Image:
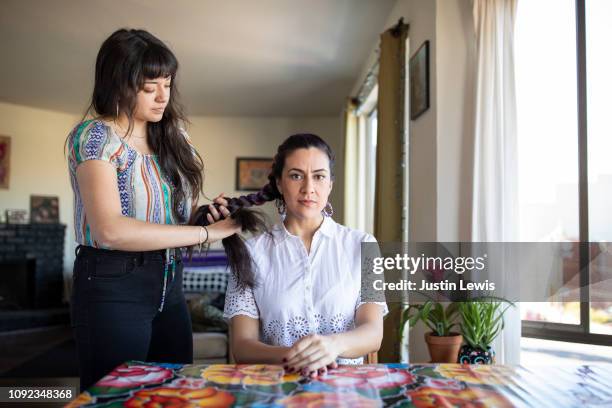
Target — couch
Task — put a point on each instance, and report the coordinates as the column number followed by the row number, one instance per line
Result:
column 204, row 283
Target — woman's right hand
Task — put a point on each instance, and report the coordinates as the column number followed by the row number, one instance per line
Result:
column 220, row 224
column 214, row 214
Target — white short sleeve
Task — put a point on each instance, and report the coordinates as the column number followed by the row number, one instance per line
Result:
column 239, row 301
column 383, row 305
column 385, row 308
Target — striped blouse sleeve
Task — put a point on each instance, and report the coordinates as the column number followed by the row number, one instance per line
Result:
column 93, row 140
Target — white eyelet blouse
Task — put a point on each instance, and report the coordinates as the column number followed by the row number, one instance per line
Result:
column 299, row 293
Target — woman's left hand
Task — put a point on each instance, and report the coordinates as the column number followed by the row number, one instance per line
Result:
column 313, row 353
column 214, row 215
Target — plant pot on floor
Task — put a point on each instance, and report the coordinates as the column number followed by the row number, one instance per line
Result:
column 443, row 349
column 476, row 355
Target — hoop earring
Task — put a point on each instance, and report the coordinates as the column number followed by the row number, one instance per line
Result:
column 281, row 207
column 328, row 211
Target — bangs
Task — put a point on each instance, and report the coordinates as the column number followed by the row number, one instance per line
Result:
column 158, row 62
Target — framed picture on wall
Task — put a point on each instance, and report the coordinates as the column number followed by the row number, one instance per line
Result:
column 5, row 156
column 419, row 81
column 16, row 216
column 252, row 173
column 44, row 209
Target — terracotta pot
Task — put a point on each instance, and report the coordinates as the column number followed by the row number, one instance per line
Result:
column 443, row 349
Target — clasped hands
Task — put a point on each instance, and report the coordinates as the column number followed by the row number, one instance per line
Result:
column 312, row 355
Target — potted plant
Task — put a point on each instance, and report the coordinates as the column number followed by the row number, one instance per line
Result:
column 481, row 322
column 442, row 342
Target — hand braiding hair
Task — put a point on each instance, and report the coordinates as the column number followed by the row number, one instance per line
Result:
column 252, row 221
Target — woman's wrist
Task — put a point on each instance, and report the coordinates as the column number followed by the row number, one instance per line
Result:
column 215, row 232
column 194, row 234
column 199, row 235
column 338, row 344
column 202, row 237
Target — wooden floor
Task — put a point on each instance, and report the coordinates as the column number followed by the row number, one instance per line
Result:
column 17, row 347
column 20, row 347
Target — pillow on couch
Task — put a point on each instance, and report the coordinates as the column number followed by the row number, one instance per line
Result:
column 206, row 311
column 212, row 279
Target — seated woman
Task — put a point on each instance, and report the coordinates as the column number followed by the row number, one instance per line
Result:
column 302, row 307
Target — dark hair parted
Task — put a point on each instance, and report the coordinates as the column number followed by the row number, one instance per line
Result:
column 238, row 255
column 126, row 59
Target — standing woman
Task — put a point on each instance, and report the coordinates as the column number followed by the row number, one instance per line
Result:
column 135, row 178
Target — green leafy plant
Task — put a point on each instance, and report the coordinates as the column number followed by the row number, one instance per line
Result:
column 482, row 319
column 438, row 318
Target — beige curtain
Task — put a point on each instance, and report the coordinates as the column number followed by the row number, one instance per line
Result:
column 389, row 171
column 391, row 101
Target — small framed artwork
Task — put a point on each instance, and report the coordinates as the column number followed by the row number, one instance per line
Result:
column 252, row 173
column 44, row 209
column 5, row 156
column 16, row 216
column 419, row 81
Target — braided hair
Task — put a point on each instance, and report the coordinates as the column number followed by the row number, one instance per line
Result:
column 253, row 221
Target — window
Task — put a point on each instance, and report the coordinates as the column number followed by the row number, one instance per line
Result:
column 598, row 90
column 565, row 174
column 367, row 131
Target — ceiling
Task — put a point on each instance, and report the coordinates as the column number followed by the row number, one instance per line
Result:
column 238, row 57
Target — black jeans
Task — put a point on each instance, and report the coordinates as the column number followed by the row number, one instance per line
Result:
column 115, row 311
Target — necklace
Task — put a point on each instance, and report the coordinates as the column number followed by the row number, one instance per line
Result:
column 124, row 134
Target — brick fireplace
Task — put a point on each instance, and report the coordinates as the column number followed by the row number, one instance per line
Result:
column 31, row 266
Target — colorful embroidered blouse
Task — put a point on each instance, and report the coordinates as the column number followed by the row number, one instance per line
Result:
column 144, row 192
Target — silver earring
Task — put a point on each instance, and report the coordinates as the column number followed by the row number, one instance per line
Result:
column 117, row 110
column 280, row 206
column 328, row 211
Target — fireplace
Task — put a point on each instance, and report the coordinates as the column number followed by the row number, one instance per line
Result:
column 31, row 266
column 17, row 290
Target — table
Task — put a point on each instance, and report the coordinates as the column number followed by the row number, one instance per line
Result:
column 138, row 384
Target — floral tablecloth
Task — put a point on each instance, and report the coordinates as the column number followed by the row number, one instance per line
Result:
column 138, row 384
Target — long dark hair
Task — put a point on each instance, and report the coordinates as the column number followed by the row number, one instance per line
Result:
column 125, row 60
column 239, row 258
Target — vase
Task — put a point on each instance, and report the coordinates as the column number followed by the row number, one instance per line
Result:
column 476, row 355
column 443, row 349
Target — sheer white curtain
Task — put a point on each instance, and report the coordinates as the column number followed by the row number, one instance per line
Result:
column 359, row 162
column 351, row 155
column 494, row 213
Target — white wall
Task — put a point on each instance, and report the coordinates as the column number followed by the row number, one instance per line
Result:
column 455, row 72
column 38, row 165
column 441, row 139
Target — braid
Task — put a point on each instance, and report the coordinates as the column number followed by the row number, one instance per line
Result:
column 268, row 193
column 250, row 220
